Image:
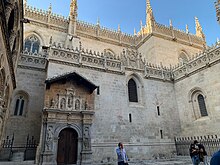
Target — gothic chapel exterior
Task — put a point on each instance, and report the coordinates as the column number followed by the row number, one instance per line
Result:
column 82, row 88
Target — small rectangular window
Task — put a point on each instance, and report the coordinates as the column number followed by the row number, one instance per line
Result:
column 158, row 110
column 130, row 119
column 161, row 134
column 98, row 91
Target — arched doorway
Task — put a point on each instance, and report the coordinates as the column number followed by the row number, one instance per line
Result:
column 67, row 147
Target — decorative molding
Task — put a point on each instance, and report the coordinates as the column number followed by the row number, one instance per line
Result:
column 200, row 62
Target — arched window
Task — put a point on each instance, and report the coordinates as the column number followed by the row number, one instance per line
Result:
column 20, row 104
column 202, row 106
column 132, row 91
column 198, row 103
column 32, row 44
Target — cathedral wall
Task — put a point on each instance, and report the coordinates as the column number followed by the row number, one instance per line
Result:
column 30, row 86
column 161, row 51
column 96, row 45
column 144, row 132
column 207, row 83
column 44, row 34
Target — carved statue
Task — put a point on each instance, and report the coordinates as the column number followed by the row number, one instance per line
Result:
column 52, row 103
column 86, row 138
column 77, row 105
column 49, row 138
column 62, row 103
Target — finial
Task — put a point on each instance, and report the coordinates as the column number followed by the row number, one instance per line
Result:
column 199, row 31
column 50, row 8
column 119, row 28
column 217, row 40
column 171, row 24
column 98, row 22
column 73, row 8
column 187, row 29
column 149, row 17
column 148, row 3
column 141, row 24
column 135, row 33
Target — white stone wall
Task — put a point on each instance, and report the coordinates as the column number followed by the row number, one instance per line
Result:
column 208, row 81
column 112, row 108
column 44, row 34
column 31, row 82
column 162, row 51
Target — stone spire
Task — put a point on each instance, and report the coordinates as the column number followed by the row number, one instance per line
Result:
column 72, row 18
column 187, row 29
column 98, row 21
column 199, row 31
column 50, row 8
column 135, row 33
column 119, row 28
column 171, row 23
column 73, row 9
column 149, row 17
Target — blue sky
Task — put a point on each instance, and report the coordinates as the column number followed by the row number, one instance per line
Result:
column 128, row 13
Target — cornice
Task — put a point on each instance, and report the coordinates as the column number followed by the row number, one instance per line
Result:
column 168, row 38
column 32, row 68
column 85, row 66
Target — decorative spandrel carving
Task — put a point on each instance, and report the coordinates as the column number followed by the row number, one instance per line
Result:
column 131, row 58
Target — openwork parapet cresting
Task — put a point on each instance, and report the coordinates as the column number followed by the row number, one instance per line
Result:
column 211, row 143
column 207, row 58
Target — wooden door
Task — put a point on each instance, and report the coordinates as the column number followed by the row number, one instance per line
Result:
column 67, row 147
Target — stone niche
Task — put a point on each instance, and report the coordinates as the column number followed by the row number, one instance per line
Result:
column 67, row 119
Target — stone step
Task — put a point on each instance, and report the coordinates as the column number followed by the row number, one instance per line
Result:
column 18, row 163
column 17, row 156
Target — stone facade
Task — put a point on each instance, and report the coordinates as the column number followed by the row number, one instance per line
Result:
column 11, row 36
column 101, row 86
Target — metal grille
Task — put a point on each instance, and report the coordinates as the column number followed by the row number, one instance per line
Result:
column 132, row 91
column 202, row 105
column 210, row 142
column 30, row 148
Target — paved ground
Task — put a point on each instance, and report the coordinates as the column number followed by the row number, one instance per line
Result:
column 180, row 160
